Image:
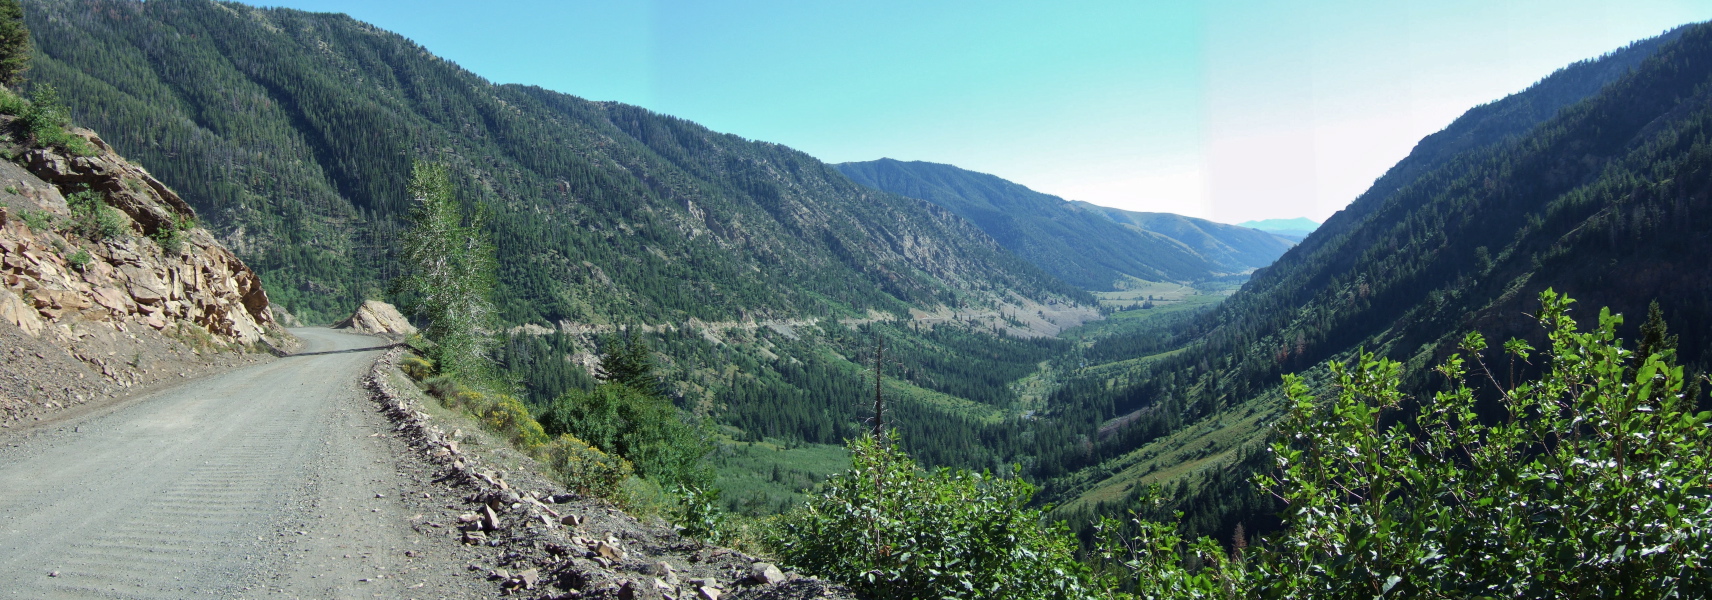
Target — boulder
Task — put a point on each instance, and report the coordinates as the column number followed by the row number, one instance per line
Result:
column 377, row 317
column 765, row 574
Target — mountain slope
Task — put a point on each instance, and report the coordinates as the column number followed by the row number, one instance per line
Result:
column 293, row 134
column 1607, row 198
column 1077, row 242
column 1228, row 246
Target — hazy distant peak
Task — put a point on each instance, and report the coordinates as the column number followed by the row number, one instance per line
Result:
column 1298, row 224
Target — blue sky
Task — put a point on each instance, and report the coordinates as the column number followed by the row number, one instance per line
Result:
column 1224, row 109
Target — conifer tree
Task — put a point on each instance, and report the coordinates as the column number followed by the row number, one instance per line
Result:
column 452, row 273
column 14, row 43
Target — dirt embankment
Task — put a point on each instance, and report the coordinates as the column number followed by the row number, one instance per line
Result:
column 541, row 541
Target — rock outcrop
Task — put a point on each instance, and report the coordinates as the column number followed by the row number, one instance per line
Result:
column 150, row 287
column 379, row 318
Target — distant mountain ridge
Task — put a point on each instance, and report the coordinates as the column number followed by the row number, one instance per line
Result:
column 1295, row 229
column 1086, row 245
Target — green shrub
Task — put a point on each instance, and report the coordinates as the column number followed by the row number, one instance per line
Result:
column 45, row 121
column 416, row 367
column 1591, row 481
column 701, row 515
column 79, row 260
column 643, row 428
column 11, row 103
column 506, row 416
column 37, row 220
column 585, row 468
column 92, row 218
column 888, row 529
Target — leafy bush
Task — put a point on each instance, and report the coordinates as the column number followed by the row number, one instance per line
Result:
column 506, row 415
column 44, row 122
column 585, row 468
column 643, row 428
column 92, row 218
column 1592, row 481
column 891, row 530
column 171, row 238
column 11, row 103
column 37, row 220
column 1147, row 559
column 79, row 260
column 701, row 515
column 416, row 367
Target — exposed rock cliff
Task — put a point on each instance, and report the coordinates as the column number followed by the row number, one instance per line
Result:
column 115, row 289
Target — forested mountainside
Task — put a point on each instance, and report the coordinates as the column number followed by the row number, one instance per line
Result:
column 1083, row 244
column 1595, row 182
column 293, row 134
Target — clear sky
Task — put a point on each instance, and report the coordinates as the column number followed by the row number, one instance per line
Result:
column 1225, row 109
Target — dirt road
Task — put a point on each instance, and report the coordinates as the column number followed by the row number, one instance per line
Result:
column 272, row 481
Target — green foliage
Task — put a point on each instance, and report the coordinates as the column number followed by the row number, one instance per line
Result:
column 643, row 428
column 416, row 367
column 701, row 515
column 79, row 260
column 171, row 238
column 11, row 103
column 93, row 219
column 450, row 276
column 627, row 360
column 1591, row 481
column 891, row 530
column 585, row 468
column 14, row 43
column 1147, row 559
column 37, row 220
column 45, row 120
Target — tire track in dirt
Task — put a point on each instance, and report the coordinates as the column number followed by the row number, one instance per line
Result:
column 260, row 482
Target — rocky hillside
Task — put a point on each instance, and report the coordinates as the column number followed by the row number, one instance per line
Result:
column 1090, row 246
column 109, row 285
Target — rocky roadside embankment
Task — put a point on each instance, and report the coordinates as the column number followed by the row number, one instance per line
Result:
column 87, row 316
column 541, row 541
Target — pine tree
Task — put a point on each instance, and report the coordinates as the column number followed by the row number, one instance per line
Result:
column 14, row 43
column 452, row 273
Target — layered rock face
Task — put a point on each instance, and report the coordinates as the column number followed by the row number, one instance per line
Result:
column 147, row 283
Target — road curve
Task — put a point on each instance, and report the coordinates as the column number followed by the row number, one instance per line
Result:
column 276, row 480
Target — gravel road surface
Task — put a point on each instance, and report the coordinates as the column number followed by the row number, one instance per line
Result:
column 273, row 481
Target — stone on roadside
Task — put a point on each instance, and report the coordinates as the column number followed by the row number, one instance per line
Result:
column 609, row 551
column 765, row 574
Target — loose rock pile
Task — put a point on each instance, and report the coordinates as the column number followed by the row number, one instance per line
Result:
column 549, row 543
